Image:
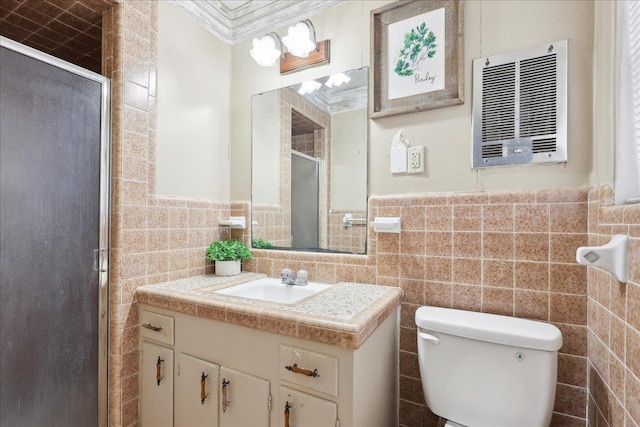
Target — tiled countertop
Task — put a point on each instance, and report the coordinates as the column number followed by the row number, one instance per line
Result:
column 344, row 314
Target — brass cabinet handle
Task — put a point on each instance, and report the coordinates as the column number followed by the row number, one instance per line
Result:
column 152, row 327
column 287, row 406
column 225, row 401
column 159, row 375
column 306, row 372
column 203, row 392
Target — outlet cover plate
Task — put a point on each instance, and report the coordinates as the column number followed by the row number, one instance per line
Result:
column 415, row 163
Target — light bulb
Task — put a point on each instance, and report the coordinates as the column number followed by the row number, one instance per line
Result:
column 265, row 52
column 298, row 40
column 337, row 79
column 308, row 87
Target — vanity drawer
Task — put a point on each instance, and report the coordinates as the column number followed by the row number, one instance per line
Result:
column 157, row 327
column 309, row 369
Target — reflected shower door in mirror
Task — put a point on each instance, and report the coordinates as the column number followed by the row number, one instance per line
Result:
column 309, row 165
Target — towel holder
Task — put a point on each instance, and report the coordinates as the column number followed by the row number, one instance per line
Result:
column 235, row 222
column 612, row 256
column 386, row 224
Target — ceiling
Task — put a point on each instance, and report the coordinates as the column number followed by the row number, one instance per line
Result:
column 233, row 21
column 301, row 125
column 72, row 29
column 67, row 29
column 348, row 96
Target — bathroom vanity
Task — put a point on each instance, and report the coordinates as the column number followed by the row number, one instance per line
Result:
column 329, row 359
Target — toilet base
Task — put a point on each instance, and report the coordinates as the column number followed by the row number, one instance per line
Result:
column 450, row 423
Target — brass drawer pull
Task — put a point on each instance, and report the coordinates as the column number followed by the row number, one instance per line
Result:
column 159, row 375
column 287, row 406
column 306, row 372
column 203, row 392
column 225, row 401
column 153, row 328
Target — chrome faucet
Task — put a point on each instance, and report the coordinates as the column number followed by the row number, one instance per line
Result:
column 289, row 278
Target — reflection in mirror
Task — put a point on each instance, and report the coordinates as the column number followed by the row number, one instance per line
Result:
column 309, row 167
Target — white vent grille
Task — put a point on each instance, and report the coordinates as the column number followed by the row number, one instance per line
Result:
column 538, row 100
column 499, row 102
column 519, row 107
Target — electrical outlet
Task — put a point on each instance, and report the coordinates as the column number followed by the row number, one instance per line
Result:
column 416, row 159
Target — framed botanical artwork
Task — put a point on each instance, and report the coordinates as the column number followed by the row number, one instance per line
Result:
column 417, row 57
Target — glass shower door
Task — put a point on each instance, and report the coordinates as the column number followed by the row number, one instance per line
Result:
column 53, row 241
column 305, row 218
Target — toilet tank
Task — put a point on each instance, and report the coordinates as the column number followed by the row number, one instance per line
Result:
column 482, row 369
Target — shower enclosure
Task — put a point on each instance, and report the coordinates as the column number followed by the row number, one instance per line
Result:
column 54, row 196
column 305, row 212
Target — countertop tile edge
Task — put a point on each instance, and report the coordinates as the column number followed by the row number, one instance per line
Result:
column 350, row 333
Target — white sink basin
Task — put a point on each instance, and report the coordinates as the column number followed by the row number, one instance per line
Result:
column 270, row 289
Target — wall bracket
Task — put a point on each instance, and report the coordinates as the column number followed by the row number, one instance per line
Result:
column 611, row 257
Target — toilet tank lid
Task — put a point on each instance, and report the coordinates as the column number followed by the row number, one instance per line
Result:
column 490, row 327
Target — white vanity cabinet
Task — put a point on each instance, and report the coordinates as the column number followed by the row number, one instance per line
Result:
column 156, row 368
column 312, row 371
column 156, row 385
column 196, row 392
column 302, row 409
column 261, row 378
column 193, row 391
column 245, row 399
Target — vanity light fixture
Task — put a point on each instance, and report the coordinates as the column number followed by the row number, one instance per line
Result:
column 267, row 50
column 336, row 80
column 302, row 50
column 301, row 39
column 308, row 87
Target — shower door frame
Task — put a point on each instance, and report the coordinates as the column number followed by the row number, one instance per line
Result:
column 102, row 254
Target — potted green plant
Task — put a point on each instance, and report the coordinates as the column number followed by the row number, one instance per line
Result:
column 261, row 243
column 227, row 255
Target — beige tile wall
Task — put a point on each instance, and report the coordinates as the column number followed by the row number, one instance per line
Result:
column 347, row 239
column 613, row 337
column 303, row 143
column 272, row 224
column 506, row 253
column 153, row 239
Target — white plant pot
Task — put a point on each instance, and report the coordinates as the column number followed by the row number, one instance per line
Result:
column 227, row 268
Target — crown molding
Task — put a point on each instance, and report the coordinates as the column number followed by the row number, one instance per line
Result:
column 251, row 19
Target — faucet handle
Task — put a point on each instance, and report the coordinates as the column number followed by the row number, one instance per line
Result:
column 286, row 272
column 302, row 275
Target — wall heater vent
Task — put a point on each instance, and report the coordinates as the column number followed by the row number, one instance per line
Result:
column 520, row 107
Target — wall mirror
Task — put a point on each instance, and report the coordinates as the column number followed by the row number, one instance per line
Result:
column 309, row 165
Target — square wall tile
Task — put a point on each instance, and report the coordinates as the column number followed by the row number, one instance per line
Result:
column 568, row 309
column 466, row 297
column 467, row 270
column 498, row 217
column 532, row 246
column 568, row 278
column 532, row 275
column 531, row 305
column 497, row 245
column 497, row 301
column 531, row 218
column 467, row 218
column 497, row 273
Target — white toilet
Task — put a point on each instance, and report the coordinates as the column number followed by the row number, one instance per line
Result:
column 485, row 370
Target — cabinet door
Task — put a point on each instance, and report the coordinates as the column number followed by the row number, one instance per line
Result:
column 244, row 399
column 305, row 410
column 196, row 392
column 157, row 385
